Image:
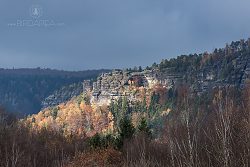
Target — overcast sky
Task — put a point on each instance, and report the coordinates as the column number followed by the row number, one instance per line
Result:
column 93, row 34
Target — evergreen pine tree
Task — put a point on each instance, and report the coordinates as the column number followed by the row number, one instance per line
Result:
column 125, row 106
column 126, row 128
column 143, row 127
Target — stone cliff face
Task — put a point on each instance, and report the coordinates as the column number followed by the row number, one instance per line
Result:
column 229, row 66
column 225, row 72
column 231, row 69
column 225, row 67
column 118, row 83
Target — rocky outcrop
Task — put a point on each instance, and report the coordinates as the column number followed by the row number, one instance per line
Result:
column 225, row 67
column 229, row 66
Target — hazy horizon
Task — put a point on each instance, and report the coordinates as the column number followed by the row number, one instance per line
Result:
column 122, row 68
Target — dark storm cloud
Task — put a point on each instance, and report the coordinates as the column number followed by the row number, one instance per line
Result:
column 116, row 33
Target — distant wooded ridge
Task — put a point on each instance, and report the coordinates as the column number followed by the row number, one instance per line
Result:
column 23, row 90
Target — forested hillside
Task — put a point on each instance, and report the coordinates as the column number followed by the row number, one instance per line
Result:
column 23, row 90
column 229, row 66
column 193, row 110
